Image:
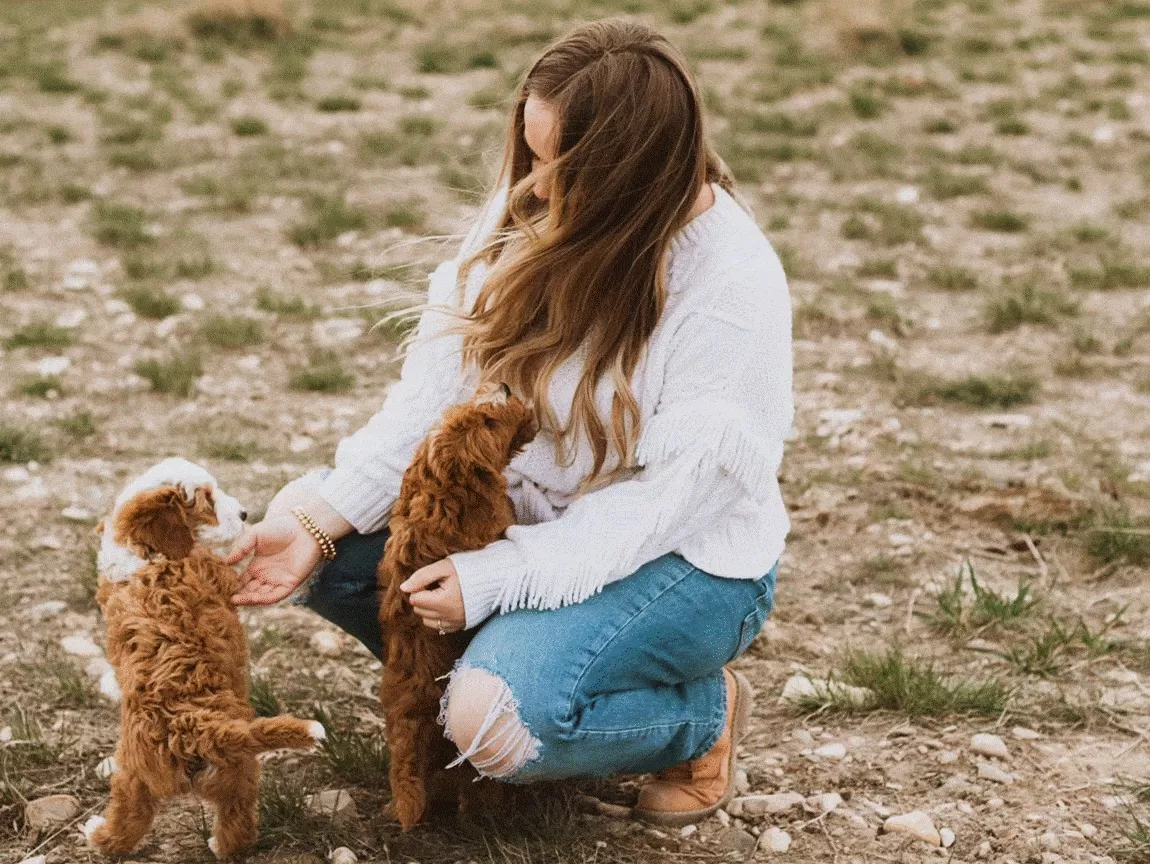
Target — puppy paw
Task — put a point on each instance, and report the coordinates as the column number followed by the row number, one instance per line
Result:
column 316, row 731
column 92, row 826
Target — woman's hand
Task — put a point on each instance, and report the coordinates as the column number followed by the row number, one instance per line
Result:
column 436, row 597
column 284, row 556
column 285, row 553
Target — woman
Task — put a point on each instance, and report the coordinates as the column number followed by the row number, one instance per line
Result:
column 616, row 282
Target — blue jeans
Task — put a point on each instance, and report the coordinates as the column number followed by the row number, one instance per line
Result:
column 628, row 681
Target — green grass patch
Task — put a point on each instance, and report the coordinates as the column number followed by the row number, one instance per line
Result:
column 324, row 373
column 1118, row 536
column 1027, row 304
column 174, row 375
column 40, row 334
column 1002, row 390
column 79, row 425
column 249, row 126
column 337, row 103
column 909, row 685
column 231, row 331
column 282, row 304
column 150, row 302
column 120, row 225
column 949, row 278
column 945, row 185
column 21, row 444
column 1110, row 274
column 1002, row 221
column 41, row 386
column 960, row 610
column 353, row 756
column 328, row 217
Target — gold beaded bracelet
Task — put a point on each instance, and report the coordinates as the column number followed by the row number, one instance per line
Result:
column 326, row 544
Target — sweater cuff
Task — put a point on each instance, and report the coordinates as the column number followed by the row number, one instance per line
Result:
column 482, row 575
column 356, row 497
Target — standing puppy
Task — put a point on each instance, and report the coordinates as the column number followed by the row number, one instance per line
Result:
column 181, row 659
column 453, row 499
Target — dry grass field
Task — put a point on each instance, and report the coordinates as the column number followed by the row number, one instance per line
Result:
column 201, row 207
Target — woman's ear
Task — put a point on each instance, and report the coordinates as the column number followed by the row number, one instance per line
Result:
column 158, row 522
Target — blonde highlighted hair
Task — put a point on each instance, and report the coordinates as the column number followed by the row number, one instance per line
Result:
column 583, row 271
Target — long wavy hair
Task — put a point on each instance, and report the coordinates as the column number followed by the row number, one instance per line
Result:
column 583, row 271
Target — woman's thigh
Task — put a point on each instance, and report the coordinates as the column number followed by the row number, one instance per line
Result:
column 345, row 590
column 667, row 624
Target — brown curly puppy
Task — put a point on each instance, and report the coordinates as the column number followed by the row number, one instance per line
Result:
column 453, row 499
column 180, row 656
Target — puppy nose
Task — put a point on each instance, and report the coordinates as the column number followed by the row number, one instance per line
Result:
column 506, row 390
column 243, row 515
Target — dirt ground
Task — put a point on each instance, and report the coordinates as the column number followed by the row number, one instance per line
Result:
column 201, row 214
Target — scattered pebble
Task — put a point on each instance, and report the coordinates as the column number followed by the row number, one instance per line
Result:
column 775, row 839
column 35, row 859
column 986, row 744
column 81, row 646
column 334, row 804
column 1024, row 734
column 778, row 802
column 77, row 514
column 50, row 811
column 326, row 643
column 829, row 801
column 1088, row 830
column 990, row 771
column 50, row 366
column 106, row 767
column 688, row 830
column 738, row 841
column 800, row 688
column 834, row 750
column 5, row 735
column 724, row 817
column 1050, row 840
column 916, row 824
column 342, row 855
column 948, row 757
column 879, row 601
column 47, row 609
column 947, row 837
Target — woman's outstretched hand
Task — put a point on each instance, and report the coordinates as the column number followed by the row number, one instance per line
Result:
column 284, row 556
column 436, row 597
column 284, row 553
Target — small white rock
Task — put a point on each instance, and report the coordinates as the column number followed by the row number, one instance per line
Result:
column 829, row 801
column 5, row 735
column 775, row 839
column 69, row 319
column 50, row 811
column 742, row 782
column 879, row 601
column 46, row 609
column 882, row 340
column 301, row 443
column 688, row 830
column 986, row 744
column 990, row 771
column 342, row 855
column 1024, row 734
column 834, row 750
column 52, row 365
column 800, row 688
column 778, row 802
column 906, row 195
column 995, row 803
column 1050, row 840
column 947, row 837
column 948, row 757
column 334, row 804
column 192, row 302
column 35, row 859
column 915, row 824
column 81, row 646
column 724, row 818
column 76, row 514
column 106, row 767
column 326, row 643
column 1088, row 830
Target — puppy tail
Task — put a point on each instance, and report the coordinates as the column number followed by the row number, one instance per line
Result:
column 221, row 737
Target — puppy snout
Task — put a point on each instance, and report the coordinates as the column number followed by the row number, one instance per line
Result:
column 243, row 515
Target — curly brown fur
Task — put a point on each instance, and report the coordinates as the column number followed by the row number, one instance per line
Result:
column 180, row 656
column 453, row 499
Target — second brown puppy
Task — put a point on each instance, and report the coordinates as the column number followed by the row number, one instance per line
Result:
column 453, row 498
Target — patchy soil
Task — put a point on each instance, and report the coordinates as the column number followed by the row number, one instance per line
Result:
column 202, row 214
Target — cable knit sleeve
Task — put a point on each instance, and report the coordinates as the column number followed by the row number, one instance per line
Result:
column 716, row 435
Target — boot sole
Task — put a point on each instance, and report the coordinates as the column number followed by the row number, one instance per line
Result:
column 677, row 819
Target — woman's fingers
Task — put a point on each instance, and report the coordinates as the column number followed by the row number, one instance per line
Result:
column 243, row 547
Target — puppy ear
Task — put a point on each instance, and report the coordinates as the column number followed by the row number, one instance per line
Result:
column 158, row 521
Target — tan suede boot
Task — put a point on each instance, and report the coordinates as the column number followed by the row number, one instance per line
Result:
column 690, row 791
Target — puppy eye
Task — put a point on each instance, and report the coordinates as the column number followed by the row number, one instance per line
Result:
column 490, row 422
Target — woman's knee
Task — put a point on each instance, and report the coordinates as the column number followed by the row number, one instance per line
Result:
column 482, row 718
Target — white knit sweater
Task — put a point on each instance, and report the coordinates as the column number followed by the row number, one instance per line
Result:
column 714, row 389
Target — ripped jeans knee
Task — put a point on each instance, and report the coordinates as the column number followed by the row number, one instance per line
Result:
column 481, row 717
